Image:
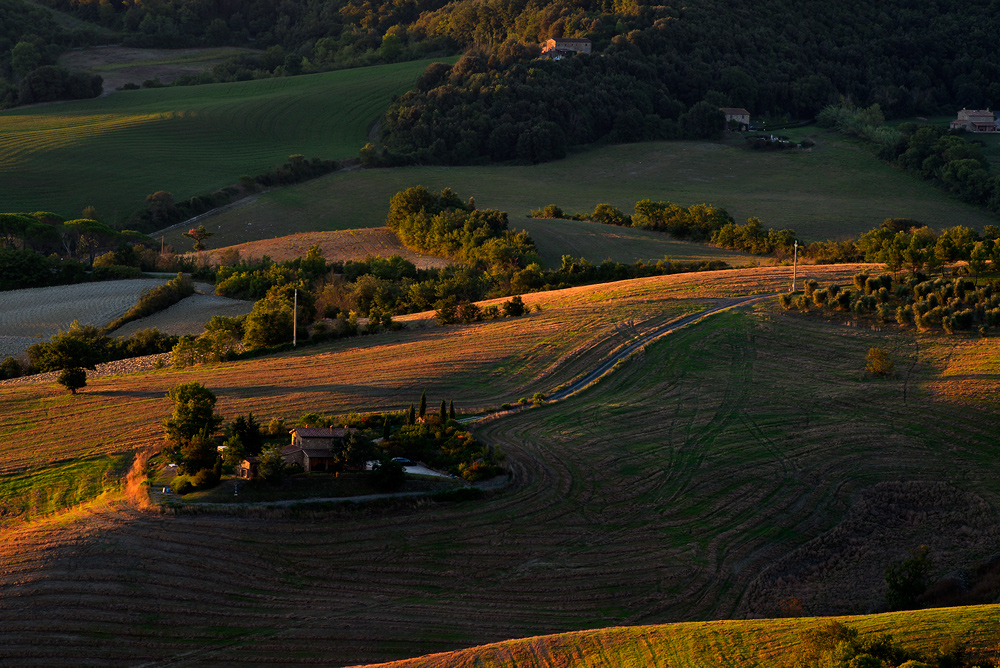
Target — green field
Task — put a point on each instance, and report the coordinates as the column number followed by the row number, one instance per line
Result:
column 555, row 238
column 833, row 191
column 113, row 151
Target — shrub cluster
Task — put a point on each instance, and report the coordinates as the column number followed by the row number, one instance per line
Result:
column 155, row 300
column 444, row 225
column 86, row 346
column 450, row 313
column 931, row 152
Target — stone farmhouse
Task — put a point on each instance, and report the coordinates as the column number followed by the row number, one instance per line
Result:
column 564, row 46
column 314, row 448
column 738, row 114
column 975, row 120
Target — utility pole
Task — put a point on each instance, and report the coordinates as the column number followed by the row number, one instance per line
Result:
column 295, row 319
column 795, row 263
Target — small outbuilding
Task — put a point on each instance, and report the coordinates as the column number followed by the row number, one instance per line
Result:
column 249, row 468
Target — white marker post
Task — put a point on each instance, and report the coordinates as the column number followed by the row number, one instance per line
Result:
column 795, row 263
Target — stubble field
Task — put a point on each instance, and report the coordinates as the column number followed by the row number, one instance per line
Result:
column 34, row 314
column 671, row 490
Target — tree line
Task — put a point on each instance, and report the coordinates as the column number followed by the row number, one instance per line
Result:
column 949, row 304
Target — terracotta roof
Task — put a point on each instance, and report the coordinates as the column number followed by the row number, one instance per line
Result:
column 320, row 432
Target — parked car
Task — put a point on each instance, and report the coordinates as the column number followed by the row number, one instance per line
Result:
column 404, row 461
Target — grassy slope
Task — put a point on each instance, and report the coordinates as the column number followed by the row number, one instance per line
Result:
column 722, row 644
column 113, row 151
column 666, row 492
column 835, row 190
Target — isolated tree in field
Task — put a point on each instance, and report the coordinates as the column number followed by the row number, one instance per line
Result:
column 73, row 379
column 878, row 362
column 193, row 415
column 199, row 234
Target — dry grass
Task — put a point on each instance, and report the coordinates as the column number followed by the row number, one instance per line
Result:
column 671, row 490
column 338, row 246
column 722, row 644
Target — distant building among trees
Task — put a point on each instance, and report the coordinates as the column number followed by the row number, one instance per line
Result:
column 564, row 46
column 737, row 118
column 975, row 120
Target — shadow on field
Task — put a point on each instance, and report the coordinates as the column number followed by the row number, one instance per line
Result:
column 136, row 394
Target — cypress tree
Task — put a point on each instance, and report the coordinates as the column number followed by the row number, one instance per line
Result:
column 451, row 410
column 423, row 404
column 385, row 429
column 411, row 417
column 443, row 413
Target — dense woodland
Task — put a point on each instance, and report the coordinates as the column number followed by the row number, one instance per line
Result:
column 30, row 42
column 775, row 58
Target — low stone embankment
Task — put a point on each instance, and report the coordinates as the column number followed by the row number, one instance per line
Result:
column 116, row 368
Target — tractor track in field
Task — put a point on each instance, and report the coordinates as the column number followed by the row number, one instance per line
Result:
column 606, row 367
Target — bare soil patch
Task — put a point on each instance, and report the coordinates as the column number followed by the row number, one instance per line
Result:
column 121, row 65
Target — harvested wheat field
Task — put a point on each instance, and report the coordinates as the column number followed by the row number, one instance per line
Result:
column 189, row 315
column 27, row 316
column 674, row 489
column 336, row 246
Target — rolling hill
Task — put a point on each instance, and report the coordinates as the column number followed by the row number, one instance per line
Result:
column 732, row 464
column 113, row 151
column 833, row 191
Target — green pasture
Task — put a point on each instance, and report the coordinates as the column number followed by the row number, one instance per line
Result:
column 36, row 493
column 555, row 238
column 111, row 152
column 835, row 190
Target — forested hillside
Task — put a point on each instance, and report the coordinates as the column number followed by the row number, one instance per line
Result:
column 30, row 41
column 663, row 72
column 776, row 56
